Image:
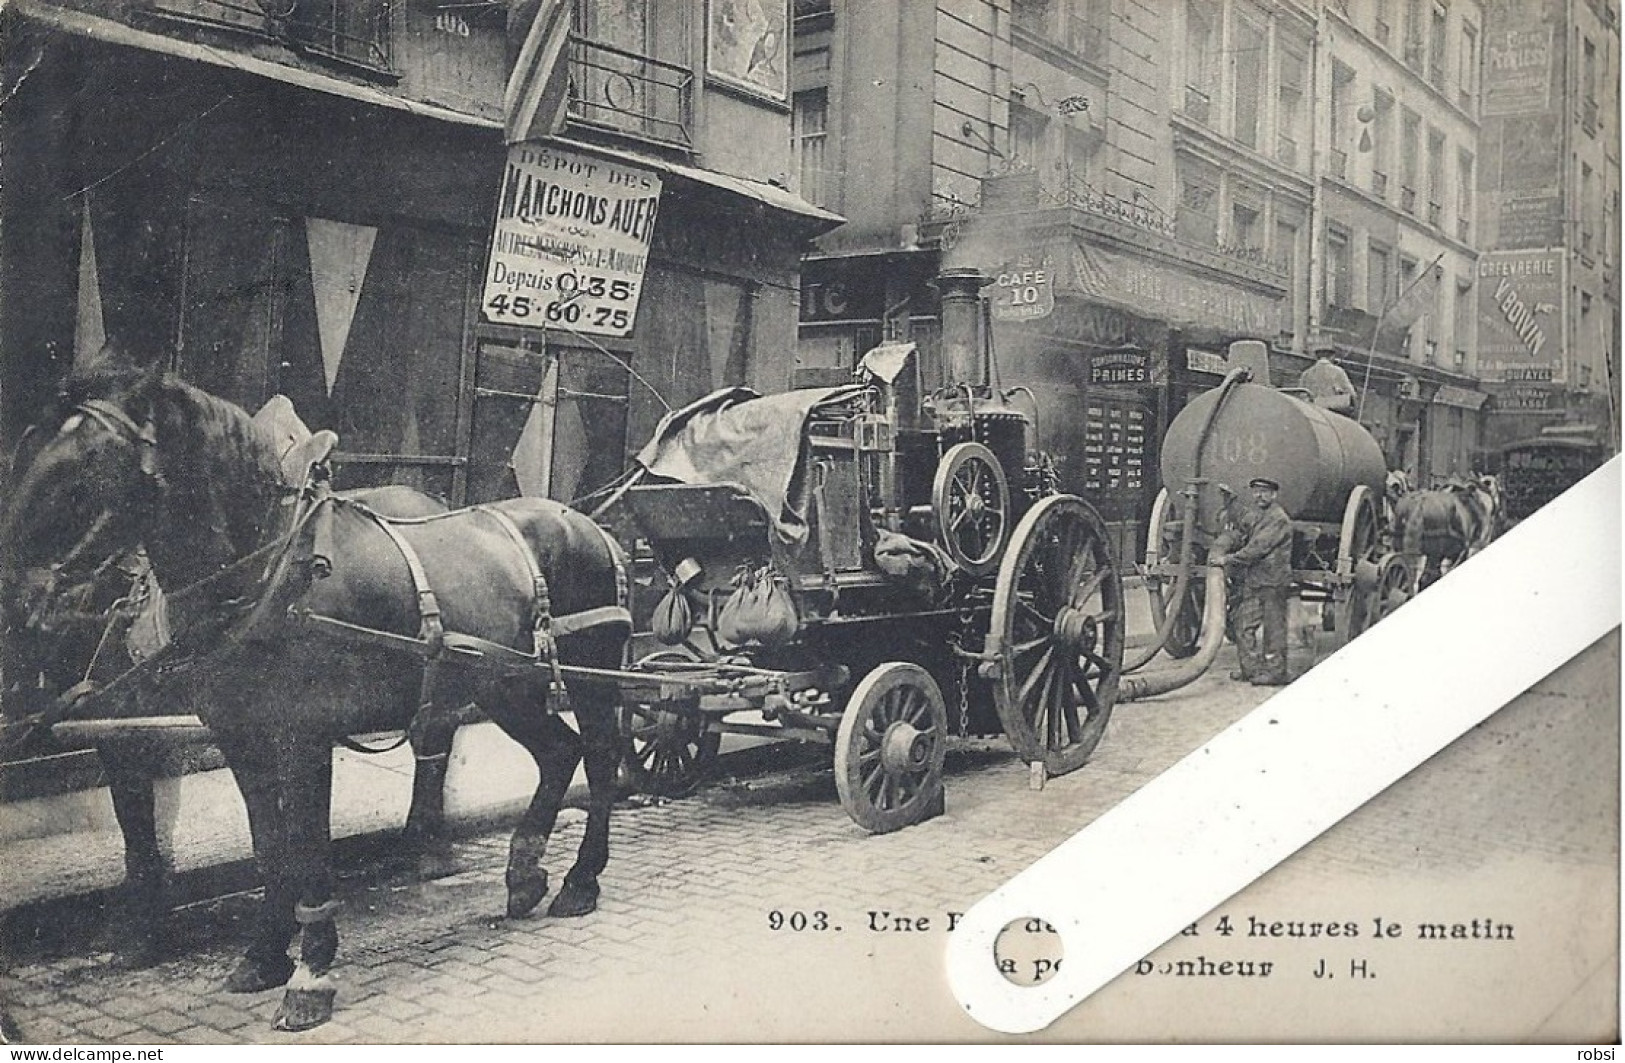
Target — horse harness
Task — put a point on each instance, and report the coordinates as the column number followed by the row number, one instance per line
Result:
column 434, row 644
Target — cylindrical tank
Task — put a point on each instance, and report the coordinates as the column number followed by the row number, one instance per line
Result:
column 1317, row 456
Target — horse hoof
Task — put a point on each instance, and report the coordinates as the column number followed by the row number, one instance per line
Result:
column 304, row 1009
column 436, row 863
column 574, row 900
column 252, row 976
column 525, row 892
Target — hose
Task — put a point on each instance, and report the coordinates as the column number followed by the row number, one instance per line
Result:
column 1167, row 617
column 1136, row 687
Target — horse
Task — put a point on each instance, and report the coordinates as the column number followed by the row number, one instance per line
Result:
column 1445, row 525
column 300, row 619
column 83, row 641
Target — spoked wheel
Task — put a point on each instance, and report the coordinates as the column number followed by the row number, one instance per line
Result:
column 1057, row 632
column 1186, row 632
column 1356, row 543
column 971, row 500
column 890, row 747
column 668, row 750
column 1396, row 583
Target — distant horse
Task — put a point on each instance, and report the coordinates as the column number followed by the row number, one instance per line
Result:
column 1445, row 526
column 83, row 637
column 313, row 624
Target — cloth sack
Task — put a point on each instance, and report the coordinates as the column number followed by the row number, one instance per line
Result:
column 759, row 610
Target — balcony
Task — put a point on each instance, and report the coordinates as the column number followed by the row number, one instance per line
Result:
column 1435, row 213
column 1286, row 151
column 628, row 93
column 1198, row 104
column 1379, row 184
column 350, row 33
column 1340, row 164
column 1407, row 200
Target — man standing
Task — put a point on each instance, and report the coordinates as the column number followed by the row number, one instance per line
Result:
column 1262, row 562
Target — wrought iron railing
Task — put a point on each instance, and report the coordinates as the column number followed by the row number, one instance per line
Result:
column 356, row 33
column 630, row 93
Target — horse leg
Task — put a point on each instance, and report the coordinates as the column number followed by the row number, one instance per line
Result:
column 424, row 835
column 600, row 735
column 556, row 749
column 307, row 777
column 146, row 872
column 266, row 964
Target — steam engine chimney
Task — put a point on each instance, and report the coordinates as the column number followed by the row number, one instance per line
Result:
column 962, row 358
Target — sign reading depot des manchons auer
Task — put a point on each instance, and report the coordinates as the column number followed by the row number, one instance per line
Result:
column 570, row 243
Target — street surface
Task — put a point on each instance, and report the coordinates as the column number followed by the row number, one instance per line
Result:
column 1513, row 830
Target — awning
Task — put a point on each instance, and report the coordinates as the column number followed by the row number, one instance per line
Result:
column 767, row 194
column 110, row 32
column 1177, row 296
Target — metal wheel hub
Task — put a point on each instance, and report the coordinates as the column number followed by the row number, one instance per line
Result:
column 669, row 726
column 905, row 748
column 1076, row 629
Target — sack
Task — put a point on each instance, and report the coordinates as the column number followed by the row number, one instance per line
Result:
column 759, row 610
column 674, row 617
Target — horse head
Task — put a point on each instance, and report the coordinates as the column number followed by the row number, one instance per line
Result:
column 123, row 458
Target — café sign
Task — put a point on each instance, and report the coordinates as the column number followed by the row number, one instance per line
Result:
column 571, row 242
column 1024, row 290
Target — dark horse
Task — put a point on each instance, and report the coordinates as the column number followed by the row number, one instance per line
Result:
column 314, row 622
column 83, row 639
column 1445, row 525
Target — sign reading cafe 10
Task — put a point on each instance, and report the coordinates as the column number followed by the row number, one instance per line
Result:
column 570, row 243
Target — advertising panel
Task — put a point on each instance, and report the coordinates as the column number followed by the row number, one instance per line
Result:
column 570, row 243
column 1519, row 333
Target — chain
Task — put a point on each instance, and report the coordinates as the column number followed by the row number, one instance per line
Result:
column 964, row 698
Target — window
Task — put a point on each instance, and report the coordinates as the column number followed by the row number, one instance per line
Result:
column 1082, row 149
column 1382, row 137
column 1415, row 34
column 1248, row 65
column 630, row 69
column 1285, row 249
column 1436, row 187
column 1339, row 268
column 1464, row 194
column 1201, row 46
column 1289, row 105
column 1590, row 70
column 1245, row 229
column 1465, row 309
column 1379, row 278
column 809, row 139
column 1410, row 154
column 1032, row 16
column 1341, row 102
column 1469, row 67
column 1436, row 47
column 1079, row 26
column 1380, row 24
column 1028, row 131
column 1198, row 219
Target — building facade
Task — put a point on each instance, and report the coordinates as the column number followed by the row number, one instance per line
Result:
column 1146, row 182
column 300, row 198
column 1549, row 294
column 1400, row 95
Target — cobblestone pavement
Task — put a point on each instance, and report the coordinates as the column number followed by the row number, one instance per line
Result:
column 1516, row 824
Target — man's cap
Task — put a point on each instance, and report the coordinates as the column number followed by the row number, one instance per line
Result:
column 1264, row 481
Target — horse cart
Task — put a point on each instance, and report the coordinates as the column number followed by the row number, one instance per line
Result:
column 1332, row 476
column 916, row 546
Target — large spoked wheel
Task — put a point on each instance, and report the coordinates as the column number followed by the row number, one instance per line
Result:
column 1058, row 623
column 668, row 751
column 1186, row 632
column 971, row 500
column 1357, row 541
column 890, row 747
column 1396, row 583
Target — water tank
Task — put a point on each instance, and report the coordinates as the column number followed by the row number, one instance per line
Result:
column 1317, row 456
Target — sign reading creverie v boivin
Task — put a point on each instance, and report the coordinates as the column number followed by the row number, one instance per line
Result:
column 570, row 243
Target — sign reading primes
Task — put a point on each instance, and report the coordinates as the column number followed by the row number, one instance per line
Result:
column 570, row 243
